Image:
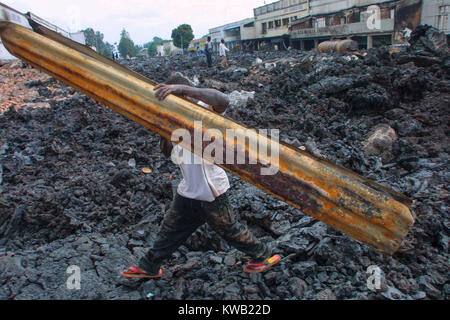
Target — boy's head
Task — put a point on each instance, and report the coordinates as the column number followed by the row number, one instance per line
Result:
column 178, row 78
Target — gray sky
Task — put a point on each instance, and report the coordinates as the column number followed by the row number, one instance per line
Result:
column 143, row 19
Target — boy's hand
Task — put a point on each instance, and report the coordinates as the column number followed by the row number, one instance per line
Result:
column 163, row 90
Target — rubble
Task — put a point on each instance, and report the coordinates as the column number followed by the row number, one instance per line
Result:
column 72, row 189
column 380, row 142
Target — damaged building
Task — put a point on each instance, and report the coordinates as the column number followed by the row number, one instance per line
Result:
column 303, row 24
column 370, row 23
column 233, row 33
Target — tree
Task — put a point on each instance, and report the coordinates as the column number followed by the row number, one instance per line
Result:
column 126, row 45
column 107, row 50
column 95, row 39
column 152, row 49
column 89, row 36
column 182, row 36
column 124, row 34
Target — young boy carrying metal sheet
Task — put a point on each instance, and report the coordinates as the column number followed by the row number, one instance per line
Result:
column 201, row 198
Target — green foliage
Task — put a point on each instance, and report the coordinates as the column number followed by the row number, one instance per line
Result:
column 126, row 45
column 182, row 36
column 95, row 39
column 152, row 49
column 107, row 50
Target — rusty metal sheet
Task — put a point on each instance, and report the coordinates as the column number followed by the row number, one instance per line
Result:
column 359, row 207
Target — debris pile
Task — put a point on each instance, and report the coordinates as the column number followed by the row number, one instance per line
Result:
column 73, row 190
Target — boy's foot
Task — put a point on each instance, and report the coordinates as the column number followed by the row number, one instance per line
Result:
column 260, row 266
column 138, row 273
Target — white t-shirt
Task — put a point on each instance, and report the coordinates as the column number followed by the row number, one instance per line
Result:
column 222, row 49
column 204, row 181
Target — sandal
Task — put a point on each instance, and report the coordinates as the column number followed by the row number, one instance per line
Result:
column 256, row 267
column 137, row 273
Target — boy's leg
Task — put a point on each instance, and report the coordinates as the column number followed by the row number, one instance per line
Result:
column 219, row 215
column 179, row 223
column 209, row 57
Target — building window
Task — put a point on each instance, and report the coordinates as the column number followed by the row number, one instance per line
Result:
column 277, row 23
column 270, row 24
column 320, row 22
column 264, row 28
column 443, row 17
column 285, row 21
column 392, row 13
column 343, row 20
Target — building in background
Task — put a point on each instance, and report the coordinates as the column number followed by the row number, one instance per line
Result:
column 272, row 22
column 198, row 43
column 303, row 24
column 436, row 13
column 231, row 33
column 160, row 50
column 168, row 49
column 339, row 19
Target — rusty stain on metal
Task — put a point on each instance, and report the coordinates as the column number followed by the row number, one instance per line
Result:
column 359, row 207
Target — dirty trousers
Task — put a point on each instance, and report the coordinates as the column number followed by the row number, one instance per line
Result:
column 186, row 215
column 224, row 61
column 209, row 59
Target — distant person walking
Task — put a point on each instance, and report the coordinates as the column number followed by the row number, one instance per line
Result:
column 223, row 54
column 208, row 52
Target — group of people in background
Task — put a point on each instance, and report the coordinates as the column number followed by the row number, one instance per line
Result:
column 222, row 53
column 115, row 55
column 208, row 52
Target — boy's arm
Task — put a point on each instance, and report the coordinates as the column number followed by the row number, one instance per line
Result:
column 212, row 97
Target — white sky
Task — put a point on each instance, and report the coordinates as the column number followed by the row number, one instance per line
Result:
column 143, row 19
